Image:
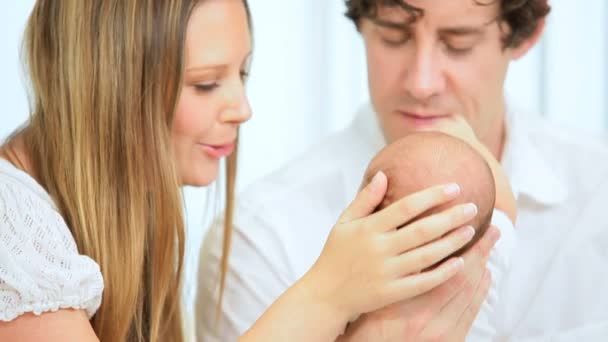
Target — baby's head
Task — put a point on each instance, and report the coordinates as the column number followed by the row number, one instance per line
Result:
column 425, row 159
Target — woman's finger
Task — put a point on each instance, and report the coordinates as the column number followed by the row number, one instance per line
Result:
column 427, row 229
column 367, row 200
column 404, row 210
column 417, row 284
column 429, row 255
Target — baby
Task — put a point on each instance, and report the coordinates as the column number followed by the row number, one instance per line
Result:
column 426, row 159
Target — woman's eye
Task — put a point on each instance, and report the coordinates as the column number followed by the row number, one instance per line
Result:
column 244, row 75
column 206, row 87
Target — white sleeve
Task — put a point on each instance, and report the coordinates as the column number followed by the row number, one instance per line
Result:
column 40, row 267
column 258, row 274
column 484, row 326
column 596, row 331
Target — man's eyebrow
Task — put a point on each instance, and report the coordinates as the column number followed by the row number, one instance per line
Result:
column 452, row 31
column 395, row 25
column 463, row 30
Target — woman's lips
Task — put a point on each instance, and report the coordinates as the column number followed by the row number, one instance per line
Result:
column 218, row 151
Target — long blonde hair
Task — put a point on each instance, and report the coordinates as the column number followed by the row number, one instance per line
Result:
column 105, row 79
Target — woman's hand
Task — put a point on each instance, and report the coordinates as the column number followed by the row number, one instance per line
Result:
column 445, row 313
column 368, row 263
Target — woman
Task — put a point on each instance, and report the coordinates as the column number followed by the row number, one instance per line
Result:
column 133, row 99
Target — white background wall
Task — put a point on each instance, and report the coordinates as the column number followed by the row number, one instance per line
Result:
column 308, row 77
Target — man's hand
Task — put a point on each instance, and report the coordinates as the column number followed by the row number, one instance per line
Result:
column 458, row 127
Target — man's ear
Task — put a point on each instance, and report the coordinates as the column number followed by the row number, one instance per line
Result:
column 528, row 44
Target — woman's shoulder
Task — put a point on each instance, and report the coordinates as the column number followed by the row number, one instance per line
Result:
column 16, row 185
column 27, row 212
column 40, row 266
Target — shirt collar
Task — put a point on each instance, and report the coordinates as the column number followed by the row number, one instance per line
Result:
column 366, row 123
column 530, row 173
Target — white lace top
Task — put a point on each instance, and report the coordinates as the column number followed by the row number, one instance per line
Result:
column 40, row 267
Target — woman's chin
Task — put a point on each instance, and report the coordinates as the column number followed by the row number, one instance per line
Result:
column 200, row 178
column 199, row 181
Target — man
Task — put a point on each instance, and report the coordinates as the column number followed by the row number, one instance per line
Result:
column 428, row 62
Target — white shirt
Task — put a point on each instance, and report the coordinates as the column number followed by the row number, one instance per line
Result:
column 40, row 267
column 555, row 290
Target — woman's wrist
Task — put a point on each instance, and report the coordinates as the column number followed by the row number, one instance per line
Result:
column 322, row 300
column 301, row 313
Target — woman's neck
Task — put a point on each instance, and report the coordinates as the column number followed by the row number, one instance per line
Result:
column 16, row 153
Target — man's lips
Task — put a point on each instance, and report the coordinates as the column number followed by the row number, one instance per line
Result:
column 421, row 120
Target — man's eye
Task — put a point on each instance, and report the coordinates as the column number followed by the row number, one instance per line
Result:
column 392, row 42
column 459, row 51
column 395, row 39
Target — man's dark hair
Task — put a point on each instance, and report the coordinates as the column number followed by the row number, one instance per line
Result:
column 522, row 16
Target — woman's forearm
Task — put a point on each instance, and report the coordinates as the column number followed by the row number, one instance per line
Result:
column 298, row 315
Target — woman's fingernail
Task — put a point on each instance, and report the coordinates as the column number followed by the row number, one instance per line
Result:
column 469, row 232
column 452, row 189
column 470, row 209
column 458, row 262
